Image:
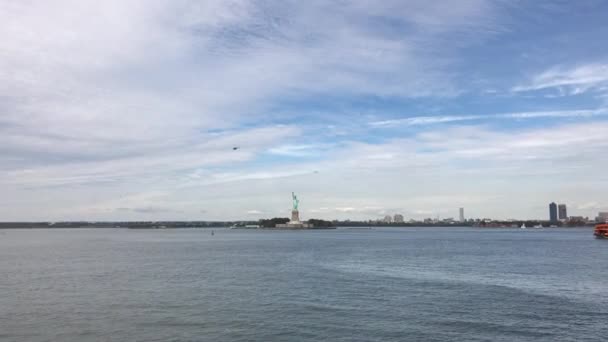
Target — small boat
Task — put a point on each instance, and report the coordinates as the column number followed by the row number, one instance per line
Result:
column 523, row 226
column 601, row 231
column 538, row 226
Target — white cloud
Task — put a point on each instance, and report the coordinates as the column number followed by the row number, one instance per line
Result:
column 593, row 205
column 428, row 172
column 569, row 80
column 111, row 81
column 431, row 120
column 215, row 150
column 425, row 120
column 305, row 150
column 133, row 108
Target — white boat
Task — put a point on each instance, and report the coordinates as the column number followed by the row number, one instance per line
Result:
column 523, row 226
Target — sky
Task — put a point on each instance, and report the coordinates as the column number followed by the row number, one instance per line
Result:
column 129, row 110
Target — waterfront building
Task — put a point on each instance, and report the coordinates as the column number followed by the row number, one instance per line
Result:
column 398, row 218
column 562, row 212
column 602, row 217
column 461, row 210
column 553, row 212
column 388, row 219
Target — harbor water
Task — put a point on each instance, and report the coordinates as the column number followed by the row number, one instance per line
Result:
column 391, row 284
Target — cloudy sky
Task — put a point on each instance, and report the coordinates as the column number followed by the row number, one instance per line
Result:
column 129, row 110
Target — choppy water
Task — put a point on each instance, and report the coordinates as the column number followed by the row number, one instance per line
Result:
column 411, row 284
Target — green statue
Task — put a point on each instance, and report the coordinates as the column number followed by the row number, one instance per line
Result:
column 296, row 201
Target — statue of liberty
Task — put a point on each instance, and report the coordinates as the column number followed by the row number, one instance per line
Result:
column 296, row 201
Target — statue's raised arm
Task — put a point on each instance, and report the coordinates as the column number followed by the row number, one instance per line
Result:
column 295, row 201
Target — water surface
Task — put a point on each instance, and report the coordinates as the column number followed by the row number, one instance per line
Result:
column 393, row 284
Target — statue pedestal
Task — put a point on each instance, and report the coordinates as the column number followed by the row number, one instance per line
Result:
column 295, row 216
column 295, row 222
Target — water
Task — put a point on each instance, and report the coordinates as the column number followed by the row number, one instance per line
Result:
column 411, row 284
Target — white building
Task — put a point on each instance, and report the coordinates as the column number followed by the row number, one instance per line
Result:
column 461, row 214
column 602, row 216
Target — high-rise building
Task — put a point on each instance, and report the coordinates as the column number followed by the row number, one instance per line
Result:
column 398, row 218
column 461, row 214
column 553, row 212
column 602, row 217
column 562, row 212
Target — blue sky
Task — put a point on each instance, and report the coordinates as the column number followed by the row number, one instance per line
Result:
column 129, row 109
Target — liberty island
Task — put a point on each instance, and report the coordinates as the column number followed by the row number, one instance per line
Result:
column 295, row 222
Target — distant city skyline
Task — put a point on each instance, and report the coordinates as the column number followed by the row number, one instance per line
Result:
column 215, row 110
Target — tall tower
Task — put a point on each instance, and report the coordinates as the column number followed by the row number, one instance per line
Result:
column 553, row 212
column 461, row 214
column 562, row 212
